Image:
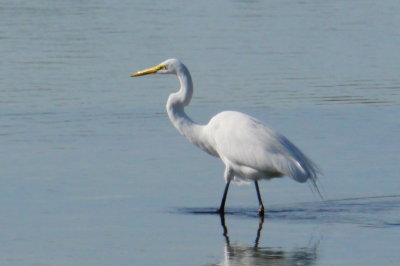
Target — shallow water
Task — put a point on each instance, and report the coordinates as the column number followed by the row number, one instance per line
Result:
column 94, row 174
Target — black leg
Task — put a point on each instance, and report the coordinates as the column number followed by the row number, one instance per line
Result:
column 222, row 206
column 261, row 209
column 260, row 226
column 222, row 218
column 225, row 234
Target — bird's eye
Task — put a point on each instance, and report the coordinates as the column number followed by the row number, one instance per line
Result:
column 162, row 67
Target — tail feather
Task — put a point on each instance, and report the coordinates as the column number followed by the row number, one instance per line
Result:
column 299, row 166
column 310, row 173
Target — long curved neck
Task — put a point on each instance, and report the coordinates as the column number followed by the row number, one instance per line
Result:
column 176, row 103
column 176, row 113
column 181, row 98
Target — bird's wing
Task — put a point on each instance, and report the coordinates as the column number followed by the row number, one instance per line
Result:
column 245, row 141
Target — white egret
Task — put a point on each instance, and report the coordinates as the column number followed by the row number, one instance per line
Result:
column 250, row 150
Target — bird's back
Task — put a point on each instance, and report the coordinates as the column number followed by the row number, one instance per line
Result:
column 255, row 151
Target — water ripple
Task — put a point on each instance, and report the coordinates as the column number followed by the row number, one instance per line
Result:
column 381, row 211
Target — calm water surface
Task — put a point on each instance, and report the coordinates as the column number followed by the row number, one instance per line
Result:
column 92, row 172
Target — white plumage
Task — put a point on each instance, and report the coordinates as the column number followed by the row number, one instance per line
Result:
column 250, row 150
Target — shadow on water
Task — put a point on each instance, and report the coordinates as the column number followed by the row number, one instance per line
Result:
column 242, row 254
column 375, row 211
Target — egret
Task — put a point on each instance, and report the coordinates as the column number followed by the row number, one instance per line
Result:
column 249, row 150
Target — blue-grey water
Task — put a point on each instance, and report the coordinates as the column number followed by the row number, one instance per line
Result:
column 93, row 173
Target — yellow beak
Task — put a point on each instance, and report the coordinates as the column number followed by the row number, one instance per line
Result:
column 148, row 71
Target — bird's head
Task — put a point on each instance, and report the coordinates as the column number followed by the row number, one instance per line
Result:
column 169, row 66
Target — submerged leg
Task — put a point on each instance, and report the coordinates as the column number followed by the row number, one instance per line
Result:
column 260, row 226
column 261, row 209
column 222, row 218
column 222, row 206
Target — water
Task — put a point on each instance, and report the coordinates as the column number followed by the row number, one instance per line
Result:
column 92, row 172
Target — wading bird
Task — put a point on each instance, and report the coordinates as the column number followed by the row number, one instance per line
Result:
column 250, row 150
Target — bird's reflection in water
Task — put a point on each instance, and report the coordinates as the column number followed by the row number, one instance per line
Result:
column 242, row 254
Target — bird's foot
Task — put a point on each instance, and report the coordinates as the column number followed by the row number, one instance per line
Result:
column 261, row 211
column 221, row 211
